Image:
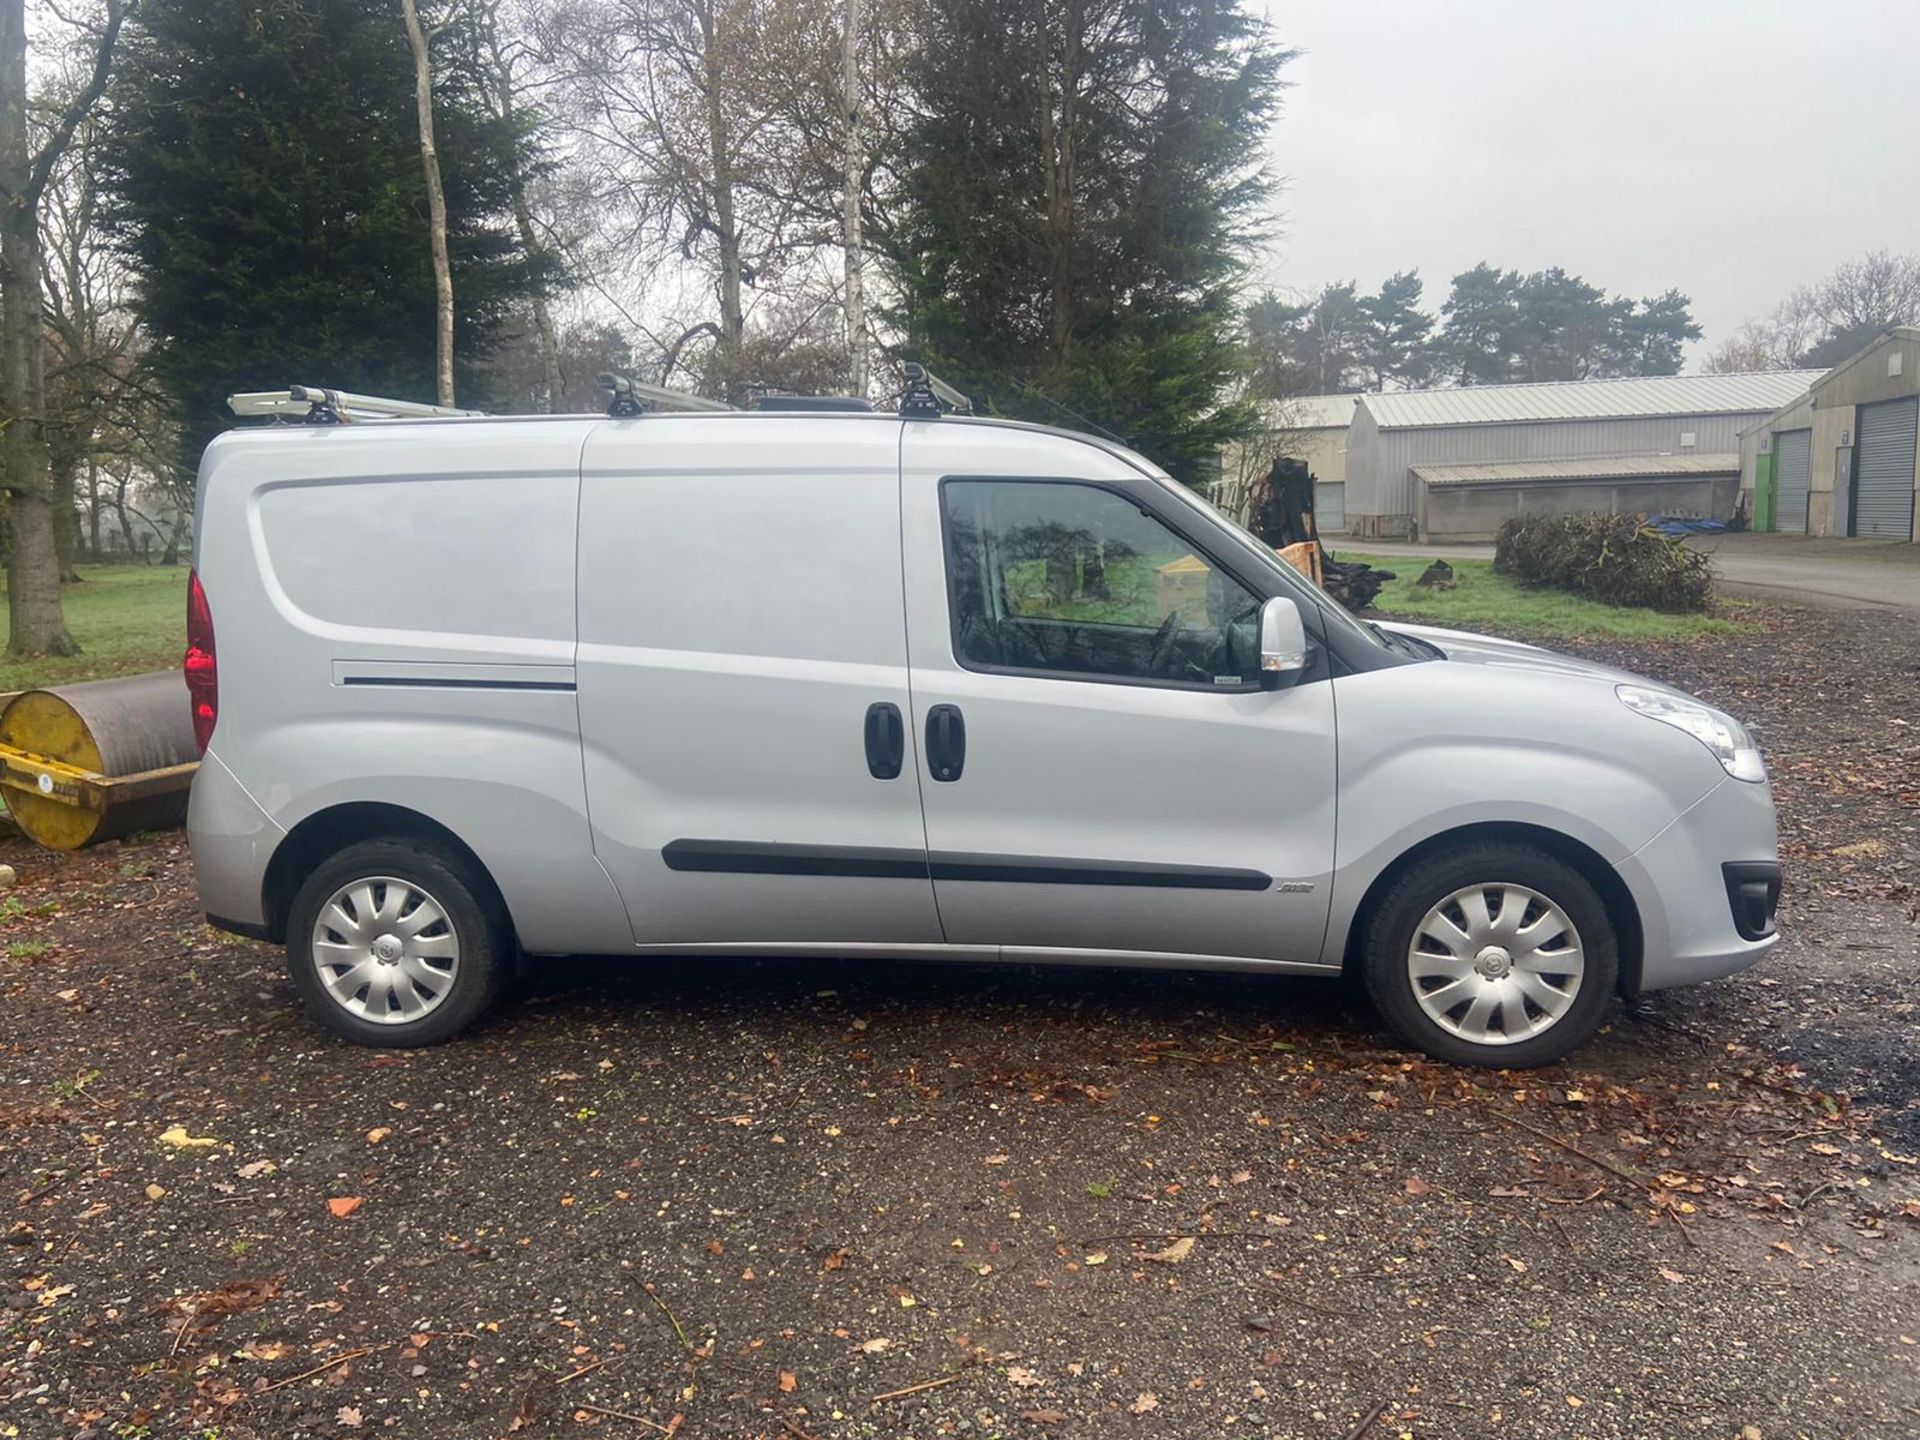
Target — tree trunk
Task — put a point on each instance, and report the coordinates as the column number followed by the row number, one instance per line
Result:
column 63, row 474
column 93, row 510
column 851, row 240
column 1059, row 137
column 733, row 323
column 523, row 222
column 436, row 205
column 175, row 534
column 38, row 625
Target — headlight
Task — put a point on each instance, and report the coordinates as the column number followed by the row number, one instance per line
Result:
column 1725, row 736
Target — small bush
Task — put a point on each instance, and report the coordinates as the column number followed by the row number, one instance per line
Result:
column 1615, row 559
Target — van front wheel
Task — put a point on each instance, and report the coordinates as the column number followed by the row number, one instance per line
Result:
column 1492, row 954
column 396, row 944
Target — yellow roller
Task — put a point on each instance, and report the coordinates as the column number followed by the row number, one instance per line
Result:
column 93, row 761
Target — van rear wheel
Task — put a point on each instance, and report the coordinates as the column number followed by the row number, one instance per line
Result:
column 397, row 943
column 1492, row 954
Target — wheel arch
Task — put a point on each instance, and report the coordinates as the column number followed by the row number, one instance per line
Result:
column 1605, row 880
column 326, row 831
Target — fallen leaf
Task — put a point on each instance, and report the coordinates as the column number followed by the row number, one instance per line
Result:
column 1508, row 1192
column 1240, row 1177
column 787, row 1382
column 67, row 995
column 1147, row 1401
column 1416, row 1186
column 1174, row 1253
column 254, row 1169
column 875, row 1346
column 177, row 1136
column 378, row 1133
column 835, row 1260
column 1044, row 1417
column 348, row 1416
column 344, row 1205
column 156, row 1192
column 1098, row 1257
column 1023, row 1377
column 998, row 1159
column 1672, row 1277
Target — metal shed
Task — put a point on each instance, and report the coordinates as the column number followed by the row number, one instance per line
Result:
column 1680, row 416
column 1843, row 457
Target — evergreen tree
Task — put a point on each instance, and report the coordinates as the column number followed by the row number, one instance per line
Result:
column 265, row 178
column 1399, row 333
column 1076, row 198
column 1504, row 327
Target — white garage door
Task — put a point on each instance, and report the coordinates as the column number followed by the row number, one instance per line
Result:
column 1330, row 508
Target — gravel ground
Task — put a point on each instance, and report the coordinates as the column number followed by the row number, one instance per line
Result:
column 839, row 1200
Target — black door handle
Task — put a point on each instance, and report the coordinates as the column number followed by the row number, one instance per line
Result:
column 946, row 742
column 886, row 736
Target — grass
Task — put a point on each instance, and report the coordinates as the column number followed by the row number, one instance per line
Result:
column 1482, row 600
column 127, row 618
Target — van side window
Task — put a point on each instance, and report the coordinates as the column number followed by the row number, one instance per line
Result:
column 1054, row 577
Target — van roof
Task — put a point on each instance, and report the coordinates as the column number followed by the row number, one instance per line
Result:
column 387, row 426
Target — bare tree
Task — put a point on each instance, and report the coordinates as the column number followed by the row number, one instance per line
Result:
column 38, row 623
column 1821, row 324
column 684, row 112
column 421, row 43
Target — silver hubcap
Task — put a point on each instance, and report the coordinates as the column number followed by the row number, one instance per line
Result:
column 385, row 950
column 1495, row 964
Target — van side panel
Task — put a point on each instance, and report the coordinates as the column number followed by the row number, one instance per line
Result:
column 395, row 623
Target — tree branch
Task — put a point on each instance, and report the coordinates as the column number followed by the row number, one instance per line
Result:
column 76, row 111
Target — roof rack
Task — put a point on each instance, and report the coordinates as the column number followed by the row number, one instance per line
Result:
column 628, row 397
column 928, row 397
column 317, row 405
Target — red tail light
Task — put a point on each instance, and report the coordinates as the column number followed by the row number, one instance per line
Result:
column 203, row 674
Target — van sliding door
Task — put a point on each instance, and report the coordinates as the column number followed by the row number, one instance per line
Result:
column 743, row 683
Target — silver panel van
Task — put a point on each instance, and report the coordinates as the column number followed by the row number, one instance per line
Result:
column 876, row 685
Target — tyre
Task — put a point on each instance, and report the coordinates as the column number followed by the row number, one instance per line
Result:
column 397, row 943
column 1491, row 954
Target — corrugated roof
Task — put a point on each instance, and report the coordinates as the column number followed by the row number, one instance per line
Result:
column 1597, row 467
column 1649, row 395
column 1312, row 412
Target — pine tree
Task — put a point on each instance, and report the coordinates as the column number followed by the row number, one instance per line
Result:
column 1077, row 198
column 265, row 176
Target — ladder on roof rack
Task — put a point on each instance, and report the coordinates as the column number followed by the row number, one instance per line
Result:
column 628, row 397
column 317, row 405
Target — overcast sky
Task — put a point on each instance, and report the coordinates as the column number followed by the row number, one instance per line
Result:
column 1730, row 148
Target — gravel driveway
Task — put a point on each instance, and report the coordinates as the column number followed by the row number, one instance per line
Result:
column 840, row 1200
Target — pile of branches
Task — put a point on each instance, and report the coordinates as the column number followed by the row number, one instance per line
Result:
column 1615, row 559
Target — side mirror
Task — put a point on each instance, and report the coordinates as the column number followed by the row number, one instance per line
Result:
column 1283, row 642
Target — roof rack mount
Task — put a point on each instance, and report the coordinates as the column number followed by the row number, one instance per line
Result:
column 318, row 405
column 928, row 397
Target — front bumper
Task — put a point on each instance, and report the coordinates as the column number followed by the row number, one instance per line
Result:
column 1688, row 880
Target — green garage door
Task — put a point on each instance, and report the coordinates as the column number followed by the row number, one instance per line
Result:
column 1793, row 480
column 1883, row 469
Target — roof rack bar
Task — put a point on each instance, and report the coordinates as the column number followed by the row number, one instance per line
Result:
column 927, row 396
column 629, row 396
column 320, row 406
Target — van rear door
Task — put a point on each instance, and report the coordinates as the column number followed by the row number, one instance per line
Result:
column 742, row 679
